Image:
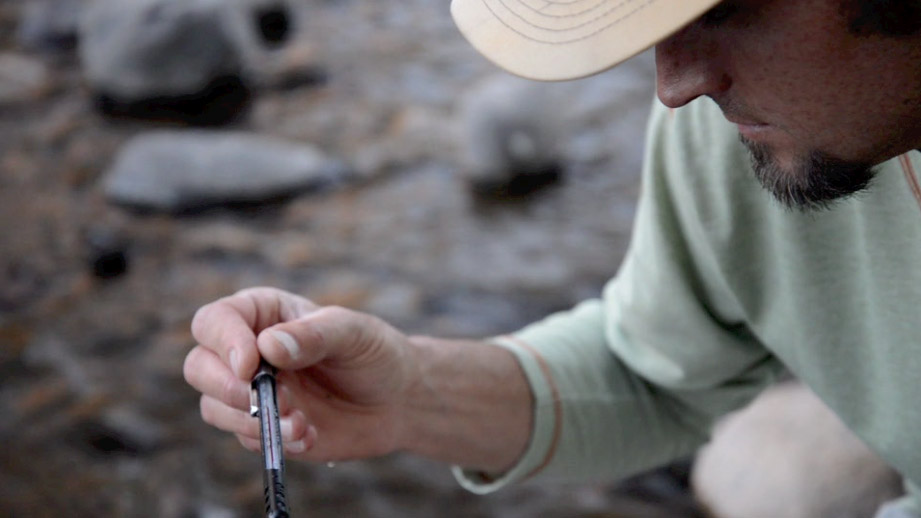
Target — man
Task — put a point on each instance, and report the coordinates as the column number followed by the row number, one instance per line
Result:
column 721, row 287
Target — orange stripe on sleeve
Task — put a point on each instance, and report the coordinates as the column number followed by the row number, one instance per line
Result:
column 557, row 403
column 911, row 177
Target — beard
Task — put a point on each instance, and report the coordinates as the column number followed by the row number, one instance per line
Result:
column 815, row 182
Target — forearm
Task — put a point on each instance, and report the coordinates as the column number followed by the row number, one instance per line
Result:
column 470, row 406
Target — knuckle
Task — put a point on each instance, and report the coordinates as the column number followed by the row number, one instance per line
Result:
column 344, row 317
column 257, row 292
column 339, row 311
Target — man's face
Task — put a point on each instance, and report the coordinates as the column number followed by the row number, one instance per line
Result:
column 817, row 104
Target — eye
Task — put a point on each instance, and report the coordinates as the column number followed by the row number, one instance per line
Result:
column 719, row 14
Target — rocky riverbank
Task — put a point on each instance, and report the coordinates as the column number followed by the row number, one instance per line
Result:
column 97, row 291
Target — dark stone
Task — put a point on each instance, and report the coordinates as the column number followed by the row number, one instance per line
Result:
column 223, row 101
column 517, row 185
column 273, row 23
column 110, row 264
column 312, row 76
column 99, row 439
column 108, row 254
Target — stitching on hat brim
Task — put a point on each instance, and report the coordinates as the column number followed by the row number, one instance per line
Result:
column 613, row 23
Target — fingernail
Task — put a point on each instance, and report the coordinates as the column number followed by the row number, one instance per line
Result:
column 288, row 341
column 287, row 429
column 311, row 436
column 235, row 361
column 296, row 446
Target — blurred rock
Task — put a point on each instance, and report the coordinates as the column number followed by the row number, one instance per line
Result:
column 141, row 433
column 22, row 78
column 188, row 170
column 511, row 136
column 273, row 22
column 172, row 59
column 15, row 337
column 47, row 397
column 107, row 252
column 220, row 239
column 21, row 284
column 49, row 25
column 787, row 455
column 295, row 66
column 395, row 302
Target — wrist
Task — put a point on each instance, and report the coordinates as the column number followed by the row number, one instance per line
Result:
column 468, row 403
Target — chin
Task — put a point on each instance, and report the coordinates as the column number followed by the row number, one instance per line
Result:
column 810, row 181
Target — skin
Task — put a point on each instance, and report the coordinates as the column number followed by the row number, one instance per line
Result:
column 353, row 387
column 789, row 72
column 800, row 85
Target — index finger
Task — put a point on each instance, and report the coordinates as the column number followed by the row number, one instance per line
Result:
column 225, row 326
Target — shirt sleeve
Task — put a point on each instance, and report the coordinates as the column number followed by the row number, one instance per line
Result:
column 636, row 378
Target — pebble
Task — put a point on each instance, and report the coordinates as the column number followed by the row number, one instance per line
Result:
column 22, row 78
column 107, row 252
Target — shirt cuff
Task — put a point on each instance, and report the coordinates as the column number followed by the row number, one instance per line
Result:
column 545, row 434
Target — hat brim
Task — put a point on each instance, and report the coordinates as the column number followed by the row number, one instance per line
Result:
column 553, row 40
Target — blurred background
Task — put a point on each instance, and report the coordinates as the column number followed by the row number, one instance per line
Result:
column 158, row 154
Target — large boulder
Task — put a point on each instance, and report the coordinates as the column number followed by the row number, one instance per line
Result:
column 190, row 60
column 787, row 455
column 180, row 171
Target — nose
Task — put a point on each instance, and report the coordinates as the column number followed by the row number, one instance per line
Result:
column 689, row 65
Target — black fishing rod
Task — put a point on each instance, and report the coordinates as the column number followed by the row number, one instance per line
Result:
column 264, row 405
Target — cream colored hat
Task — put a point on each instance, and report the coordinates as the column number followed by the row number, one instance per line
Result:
column 566, row 39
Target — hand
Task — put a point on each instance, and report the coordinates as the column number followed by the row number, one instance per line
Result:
column 343, row 375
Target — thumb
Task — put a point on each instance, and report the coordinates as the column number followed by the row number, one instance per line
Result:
column 329, row 333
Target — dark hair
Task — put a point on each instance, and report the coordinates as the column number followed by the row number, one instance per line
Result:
column 885, row 17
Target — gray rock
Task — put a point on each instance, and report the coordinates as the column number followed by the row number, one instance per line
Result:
column 187, row 170
column 137, row 49
column 22, row 78
column 49, row 24
column 511, row 135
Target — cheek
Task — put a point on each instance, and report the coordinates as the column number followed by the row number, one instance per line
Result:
column 797, row 95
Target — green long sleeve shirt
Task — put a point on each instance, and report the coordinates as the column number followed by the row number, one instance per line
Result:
column 722, row 288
